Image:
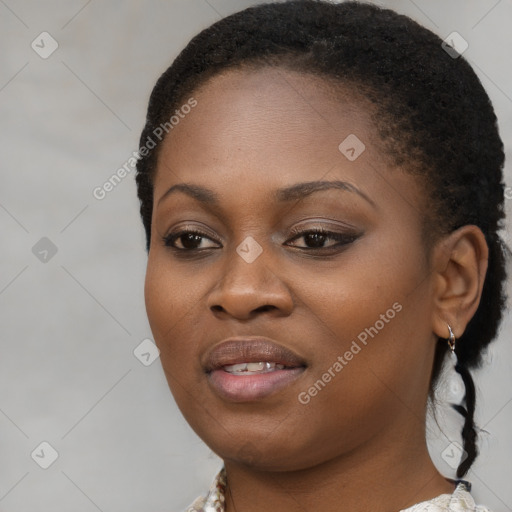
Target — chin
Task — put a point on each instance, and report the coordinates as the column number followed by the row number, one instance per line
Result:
column 277, row 455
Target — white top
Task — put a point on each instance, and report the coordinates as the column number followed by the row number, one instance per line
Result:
column 459, row 501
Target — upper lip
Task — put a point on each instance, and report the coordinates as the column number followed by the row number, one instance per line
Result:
column 253, row 349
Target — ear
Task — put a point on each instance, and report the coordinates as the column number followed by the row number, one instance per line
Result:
column 459, row 265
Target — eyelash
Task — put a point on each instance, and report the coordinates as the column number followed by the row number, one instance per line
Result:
column 341, row 238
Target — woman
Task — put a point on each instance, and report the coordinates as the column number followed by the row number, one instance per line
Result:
column 321, row 188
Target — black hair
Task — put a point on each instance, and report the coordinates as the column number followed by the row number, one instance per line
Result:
column 431, row 111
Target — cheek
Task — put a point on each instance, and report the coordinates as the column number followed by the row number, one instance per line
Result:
column 171, row 300
column 358, row 292
column 369, row 372
column 373, row 312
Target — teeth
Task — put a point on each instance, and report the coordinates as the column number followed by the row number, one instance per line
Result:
column 236, row 367
column 255, row 367
column 245, row 368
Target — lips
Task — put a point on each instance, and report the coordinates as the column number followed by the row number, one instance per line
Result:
column 237, row 351
column 251, row 369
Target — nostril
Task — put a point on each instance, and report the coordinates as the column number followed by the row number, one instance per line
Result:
column 265, row 308
column 261, row 309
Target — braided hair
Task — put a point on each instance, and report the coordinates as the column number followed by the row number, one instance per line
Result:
column 431, row 111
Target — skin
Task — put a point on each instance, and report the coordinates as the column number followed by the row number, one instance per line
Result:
column 254, row 131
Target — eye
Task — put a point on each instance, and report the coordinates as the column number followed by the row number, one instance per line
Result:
column 318, row 236
column 190, row 240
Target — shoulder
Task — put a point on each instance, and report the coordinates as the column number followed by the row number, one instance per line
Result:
column 462, row 500
column 459, row 501
column 214, row 500
column 197, row 506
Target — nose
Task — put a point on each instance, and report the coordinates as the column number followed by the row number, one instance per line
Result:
column 246, row 289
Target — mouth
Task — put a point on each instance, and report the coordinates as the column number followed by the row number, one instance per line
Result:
column 252, row 368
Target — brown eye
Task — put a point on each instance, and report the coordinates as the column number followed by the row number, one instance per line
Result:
column 189, row 239
column 316, row 238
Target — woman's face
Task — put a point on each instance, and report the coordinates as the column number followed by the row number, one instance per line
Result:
column 349, row 313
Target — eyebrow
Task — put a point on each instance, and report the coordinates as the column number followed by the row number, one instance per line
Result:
column 286, row 194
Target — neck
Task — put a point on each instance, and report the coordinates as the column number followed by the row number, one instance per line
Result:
column 368, row 478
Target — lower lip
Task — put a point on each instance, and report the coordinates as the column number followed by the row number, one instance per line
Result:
column 248, row 388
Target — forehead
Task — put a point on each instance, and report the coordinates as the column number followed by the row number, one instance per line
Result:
column 252, row 130
column 269, row 114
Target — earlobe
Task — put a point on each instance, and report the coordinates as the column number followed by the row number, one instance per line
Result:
column 460, row 265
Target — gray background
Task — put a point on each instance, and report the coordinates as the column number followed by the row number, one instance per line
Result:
column 68, row 375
